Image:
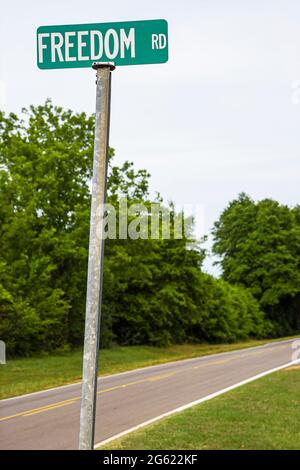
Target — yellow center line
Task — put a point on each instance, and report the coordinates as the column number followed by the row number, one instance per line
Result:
column 71, row 401
column 42, row 408
column 161, row 377
column 50, row 407
column 117, row 387
column 215, row 363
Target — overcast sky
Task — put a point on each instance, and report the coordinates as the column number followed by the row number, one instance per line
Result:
column 221, row 117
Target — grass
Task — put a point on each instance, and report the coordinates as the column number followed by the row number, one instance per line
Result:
column 25, row 375
column 263, row 415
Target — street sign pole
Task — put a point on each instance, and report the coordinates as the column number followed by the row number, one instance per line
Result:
column 96, row 256
column 99, row 45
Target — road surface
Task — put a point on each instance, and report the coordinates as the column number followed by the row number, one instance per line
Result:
column 50, row 419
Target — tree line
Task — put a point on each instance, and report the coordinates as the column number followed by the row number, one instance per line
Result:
column 154, row 290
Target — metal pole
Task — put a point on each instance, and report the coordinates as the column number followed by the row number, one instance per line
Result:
column 95, row 263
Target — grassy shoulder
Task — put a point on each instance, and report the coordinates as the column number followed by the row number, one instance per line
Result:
column 264, row 414
column 25, row 375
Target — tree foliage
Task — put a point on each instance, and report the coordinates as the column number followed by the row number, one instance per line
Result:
column 259, row 246
column 154, row 289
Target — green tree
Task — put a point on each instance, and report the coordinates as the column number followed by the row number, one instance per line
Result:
column 45, row 170
column 259, row 248
column 153, row 291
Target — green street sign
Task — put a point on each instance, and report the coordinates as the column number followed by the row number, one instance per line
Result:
column 126, row 43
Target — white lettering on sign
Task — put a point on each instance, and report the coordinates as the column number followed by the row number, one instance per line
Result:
column 107, row 42
column 127, row 41
column 42, row 46
column 82, row 44
column 98, row 55
column 56, row 46
column 68, row 46
column 88, row 45
column 159, row 41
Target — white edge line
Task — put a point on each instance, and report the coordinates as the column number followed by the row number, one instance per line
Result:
column 193, row 403
column 163, row 364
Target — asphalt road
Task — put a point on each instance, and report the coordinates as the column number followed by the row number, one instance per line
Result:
column 50, row 419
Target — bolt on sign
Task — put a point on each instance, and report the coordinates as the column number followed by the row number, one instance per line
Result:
column 125, row 43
